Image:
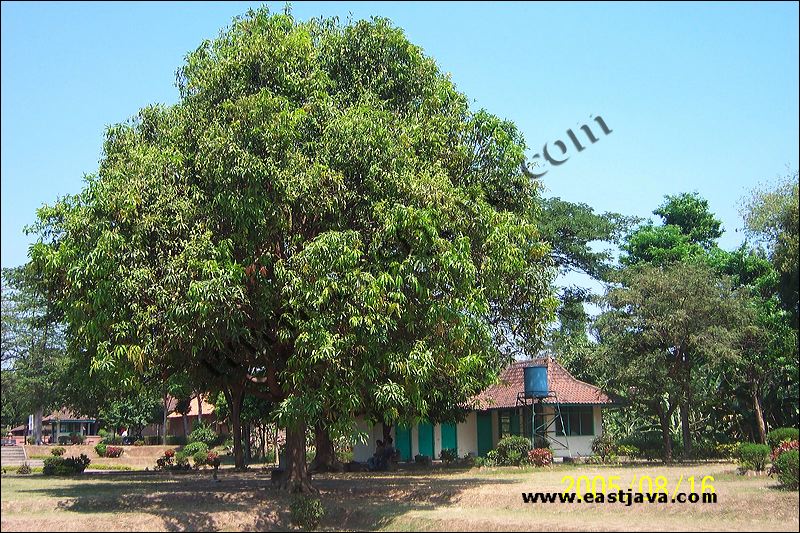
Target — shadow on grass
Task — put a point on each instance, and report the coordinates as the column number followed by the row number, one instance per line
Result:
column 249, row 501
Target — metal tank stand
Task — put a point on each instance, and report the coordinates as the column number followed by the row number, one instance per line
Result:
column 542, row 429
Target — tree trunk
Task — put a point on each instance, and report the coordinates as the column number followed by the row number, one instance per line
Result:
column 37, row 426
column 663, row 418
column 200, row 408
column 296, row 478
column 325, row 459
column 762, row 430
column 687, row 437
column 234, row 394
column 246, row 434
column 185, row 424
column 164, row 427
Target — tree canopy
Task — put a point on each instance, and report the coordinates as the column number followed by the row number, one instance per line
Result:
column 320, row 220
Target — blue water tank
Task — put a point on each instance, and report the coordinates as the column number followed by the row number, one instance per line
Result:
column 536, row 385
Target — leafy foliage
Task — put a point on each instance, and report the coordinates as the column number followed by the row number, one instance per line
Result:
column 320, row 219
column 540, row 457
column 203, row 434
column 753, row 456
column 778, row 435
column 306, row 512
column 58, row 451
column 788, row 469
column 60, row 466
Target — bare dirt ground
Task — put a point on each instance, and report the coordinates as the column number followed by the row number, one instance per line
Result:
column 418, row 500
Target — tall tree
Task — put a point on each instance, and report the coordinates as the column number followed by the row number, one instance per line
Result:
column 320, row 221
column 771, row 216
column 661, row 325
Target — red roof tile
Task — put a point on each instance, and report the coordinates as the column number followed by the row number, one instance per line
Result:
column 569, row 390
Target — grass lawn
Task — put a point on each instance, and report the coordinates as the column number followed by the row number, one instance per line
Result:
column 471, row 500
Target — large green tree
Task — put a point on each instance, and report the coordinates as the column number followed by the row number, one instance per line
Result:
column 320, row 220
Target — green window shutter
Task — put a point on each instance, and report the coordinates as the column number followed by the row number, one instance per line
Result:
column 514, row 422
column 484, row 432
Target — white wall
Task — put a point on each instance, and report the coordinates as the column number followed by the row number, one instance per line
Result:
column 579, row 446
column 467, row 435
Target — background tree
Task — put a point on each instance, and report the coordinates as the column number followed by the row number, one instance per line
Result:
column 320, row 221
column 660, row 326
column 32, row 349
column 771, row 216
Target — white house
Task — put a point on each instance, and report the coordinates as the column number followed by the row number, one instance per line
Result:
column 503, row 410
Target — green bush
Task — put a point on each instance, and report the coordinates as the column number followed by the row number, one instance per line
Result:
column 100, row 449
column 787, row 469
column 58, row 451
column 604, row 446
column 76, row 438
column 203, row 433
column 628, row 451
column 31, row 440
column 776, row 436
column 492, row 458
column 200, row 458
column 59, row 466
column 511, row 450
column 139, row 442
column 306, row 512
column 194, row 447
column 24, row 469
column 112, row 438
column 753, row 456
column 727, row 451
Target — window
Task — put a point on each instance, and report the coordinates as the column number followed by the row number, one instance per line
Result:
column 579, row 421
column 509, row 423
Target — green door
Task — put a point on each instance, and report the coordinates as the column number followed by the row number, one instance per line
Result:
column 484, row 432
column 425, row 439
column 449, row 437
column 403, row 434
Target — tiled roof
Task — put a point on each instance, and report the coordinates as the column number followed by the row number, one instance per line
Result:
column 569, row 390
column 65, row 414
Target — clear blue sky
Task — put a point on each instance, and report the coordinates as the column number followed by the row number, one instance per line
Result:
column 700, row 97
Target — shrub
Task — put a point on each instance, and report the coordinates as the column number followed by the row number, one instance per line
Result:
column 726, row 451
column 64, row 439
column 200, row 458
column 786, row 466
column 492, row 458
column 31, row 440
column 306, row 512
column 152, row 440
column 511, row 450
column 76, row 438
column 449, row 455
column 628, row 451
column 112, row 438
column 58, row 451
column 194, row 447
column 169, row 453
column 138, row 443
column 784, row 446
column 540, row 457
column 172, row 461
column 203, row 433
column 604, row 446
column 776, row 436
column 100, row 449
column 113, row 451
column 24, row 469
column 59, row 466
column 753, row 456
